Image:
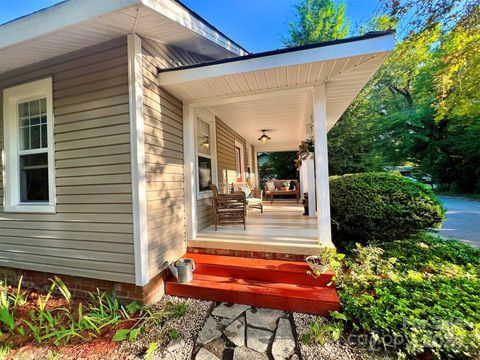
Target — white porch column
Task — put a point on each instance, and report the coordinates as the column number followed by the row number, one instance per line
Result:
column 321, row 168
column 189, row 169
column 310, row 185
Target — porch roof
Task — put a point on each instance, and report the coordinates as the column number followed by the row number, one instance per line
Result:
column 75, row 24
column 273, row 90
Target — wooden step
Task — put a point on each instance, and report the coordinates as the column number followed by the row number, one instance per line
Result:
column 273, row 284
column 288, row 297
column 288, row 272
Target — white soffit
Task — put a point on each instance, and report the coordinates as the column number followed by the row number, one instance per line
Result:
column 344, row 66
column 76, row 24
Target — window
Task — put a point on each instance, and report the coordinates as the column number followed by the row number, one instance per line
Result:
column 205, row 151
column 29, row 163
column 239, row 163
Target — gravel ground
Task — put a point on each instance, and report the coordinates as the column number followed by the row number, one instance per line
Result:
column 330, row 350
column 187, row 327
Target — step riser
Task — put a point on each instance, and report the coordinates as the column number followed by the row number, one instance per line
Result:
column 274, row 276
column 260, row 300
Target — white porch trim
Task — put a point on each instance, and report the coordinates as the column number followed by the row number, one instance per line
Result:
column 190, row 183
column 321, row 166
column 137, row 143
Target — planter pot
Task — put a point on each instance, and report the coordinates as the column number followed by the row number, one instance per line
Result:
column 316, row 266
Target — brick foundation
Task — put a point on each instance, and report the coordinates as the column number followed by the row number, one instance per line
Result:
column 248, row 254
column 80, row 287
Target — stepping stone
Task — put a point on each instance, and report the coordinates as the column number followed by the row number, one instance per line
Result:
column 244, row 353
column 216, row 347
column 204, row 354
column 209, row 331
column 229, row 311
column 294, row 357
column 258, row 339
column 175, row 344
column 235, row 332
column 263, row 318
column 284, row 344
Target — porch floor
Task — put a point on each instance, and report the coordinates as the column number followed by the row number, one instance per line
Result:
column 280, row 229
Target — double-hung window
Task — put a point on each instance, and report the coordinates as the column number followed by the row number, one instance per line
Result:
column 205, row 151
column 29, row 157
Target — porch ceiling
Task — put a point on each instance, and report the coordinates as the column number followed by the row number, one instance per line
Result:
column 272, row 90
column 76, row 24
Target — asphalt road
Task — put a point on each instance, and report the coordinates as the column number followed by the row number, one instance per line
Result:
column 463, row 220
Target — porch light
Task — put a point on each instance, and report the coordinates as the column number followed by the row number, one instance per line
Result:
column 205, row 143
column 264, row 138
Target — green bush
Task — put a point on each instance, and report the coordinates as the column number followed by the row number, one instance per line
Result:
column 423, row 292
column 381, row 206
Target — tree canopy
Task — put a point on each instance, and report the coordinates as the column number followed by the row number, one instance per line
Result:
column 422, row 108
column 316, row 21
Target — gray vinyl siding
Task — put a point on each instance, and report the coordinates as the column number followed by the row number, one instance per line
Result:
column 91, row 234
column 163, row 120
column 225, row 138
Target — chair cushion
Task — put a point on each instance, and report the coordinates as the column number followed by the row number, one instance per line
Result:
column 254, row 201
column 242, row 187
column 270, row 186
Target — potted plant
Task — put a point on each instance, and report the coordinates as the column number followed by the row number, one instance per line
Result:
column 306, row 150
column 285, row 185
column 327, row 260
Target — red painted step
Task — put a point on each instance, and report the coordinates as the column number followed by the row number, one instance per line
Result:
column 288, row 272
column 265, row 283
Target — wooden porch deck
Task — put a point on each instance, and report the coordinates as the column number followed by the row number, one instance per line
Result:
column 280, row 229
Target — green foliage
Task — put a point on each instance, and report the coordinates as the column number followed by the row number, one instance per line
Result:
column 317, row 20
column 422, row 106
column 381, row 206
column 280, row 165
column 415, row 297
column 67, row 319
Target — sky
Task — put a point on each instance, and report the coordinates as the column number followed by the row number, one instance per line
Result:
column 257, row 25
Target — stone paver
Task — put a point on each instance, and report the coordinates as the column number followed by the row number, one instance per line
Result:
column 244, row 353
column 258, row 339
column 235, row 332
column 209, row 331
column 284, row 343
column 204, row 354
column 229, row 311
column 263, row 318
column 246, row 333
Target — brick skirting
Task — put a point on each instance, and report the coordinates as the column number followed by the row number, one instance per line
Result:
column 248, row 254
column 80, row 286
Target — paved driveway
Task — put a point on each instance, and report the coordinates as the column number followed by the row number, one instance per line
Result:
column 463, row 220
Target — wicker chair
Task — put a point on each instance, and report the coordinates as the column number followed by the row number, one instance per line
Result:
column 228, row 208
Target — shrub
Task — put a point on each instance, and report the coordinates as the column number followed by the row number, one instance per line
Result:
column 381, row 206
column 415, row 298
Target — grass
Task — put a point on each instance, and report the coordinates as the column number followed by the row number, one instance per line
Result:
column 472, row 196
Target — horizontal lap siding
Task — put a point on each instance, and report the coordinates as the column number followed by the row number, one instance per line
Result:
column 226, row 137
column 163, row 120
column 91, row 234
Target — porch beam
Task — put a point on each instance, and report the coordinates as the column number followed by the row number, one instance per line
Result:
column 321, row 166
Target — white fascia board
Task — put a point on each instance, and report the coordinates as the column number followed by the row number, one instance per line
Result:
column 58, row 17
column 376, row 45
column 177, row 13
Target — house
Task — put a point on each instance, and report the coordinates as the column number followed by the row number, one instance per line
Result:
column 262, row 158
column 114, row 113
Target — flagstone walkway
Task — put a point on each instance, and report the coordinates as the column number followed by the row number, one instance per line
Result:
column 242, row 332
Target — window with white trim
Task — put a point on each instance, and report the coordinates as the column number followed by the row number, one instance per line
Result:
column 29, row 155
column 205, row 155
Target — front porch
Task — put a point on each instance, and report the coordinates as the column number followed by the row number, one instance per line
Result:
column 281, row 229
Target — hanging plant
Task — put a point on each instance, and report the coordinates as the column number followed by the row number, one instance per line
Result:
column 306, row 150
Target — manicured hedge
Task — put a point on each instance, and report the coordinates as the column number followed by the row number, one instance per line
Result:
column 381, row 206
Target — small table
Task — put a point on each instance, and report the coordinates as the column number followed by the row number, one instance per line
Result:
column 283, row 192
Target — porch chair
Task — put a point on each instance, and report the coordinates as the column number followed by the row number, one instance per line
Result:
column 228, row 208
column 254, row 196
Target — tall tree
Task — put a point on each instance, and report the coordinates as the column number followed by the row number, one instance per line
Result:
column 316, row 21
